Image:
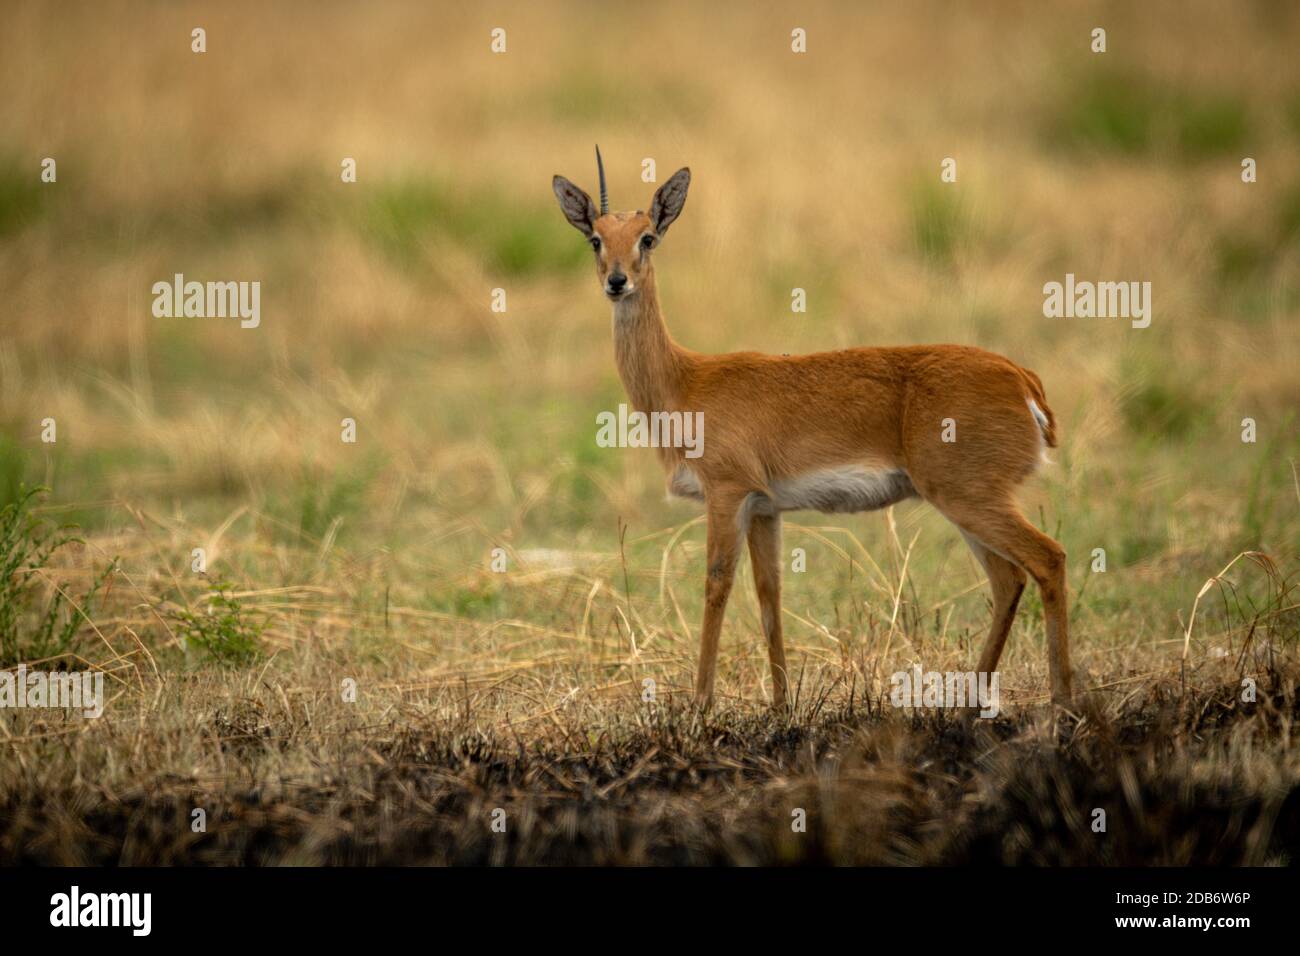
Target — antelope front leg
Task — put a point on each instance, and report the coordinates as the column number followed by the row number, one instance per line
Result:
column 765, row 555
column 723, row 547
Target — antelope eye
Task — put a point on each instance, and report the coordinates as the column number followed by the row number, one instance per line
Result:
column 647, row 241
column 595, row 243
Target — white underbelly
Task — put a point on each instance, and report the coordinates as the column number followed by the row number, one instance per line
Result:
column 838, row 490
column 846, row 489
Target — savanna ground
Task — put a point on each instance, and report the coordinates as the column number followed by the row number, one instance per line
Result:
column 476, row 430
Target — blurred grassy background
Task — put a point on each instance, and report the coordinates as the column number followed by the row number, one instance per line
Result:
column 476, row 429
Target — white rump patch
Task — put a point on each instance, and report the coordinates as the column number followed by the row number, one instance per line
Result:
column 1041, row 418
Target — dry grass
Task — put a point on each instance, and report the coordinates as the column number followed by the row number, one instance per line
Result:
column 456, row 719
column 523, row 690
column 1184, row 774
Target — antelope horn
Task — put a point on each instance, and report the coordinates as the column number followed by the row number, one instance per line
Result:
column 604, row 196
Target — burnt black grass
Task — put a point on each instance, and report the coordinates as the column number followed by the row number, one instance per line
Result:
column 662, row 784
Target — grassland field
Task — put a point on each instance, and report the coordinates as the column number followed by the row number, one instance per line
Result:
column 370, row 562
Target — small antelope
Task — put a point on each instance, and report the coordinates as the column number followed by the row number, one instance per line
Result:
column 847, row 431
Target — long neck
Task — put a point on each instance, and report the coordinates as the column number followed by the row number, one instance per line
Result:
column 649, row 361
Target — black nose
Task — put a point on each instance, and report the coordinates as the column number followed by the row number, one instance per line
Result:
column 616, row 282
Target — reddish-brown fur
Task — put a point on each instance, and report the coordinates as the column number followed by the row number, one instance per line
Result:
column 770, row 418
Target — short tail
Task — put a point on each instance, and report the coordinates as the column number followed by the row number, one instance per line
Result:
column 1038, row 406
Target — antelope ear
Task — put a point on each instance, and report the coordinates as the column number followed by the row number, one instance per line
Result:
column 669, row 200
column 575, row 204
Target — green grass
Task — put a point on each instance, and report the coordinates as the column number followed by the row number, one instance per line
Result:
column 1292, row 113
column 941, row 221
column 514, row 238
column 37, row 620
column 1135, row 115
column 13, row 469
column 481, row 601
column 589, row 99
column 22, row 194
column 1250, row 253
column 1160, row 405
column 221, row 630
column 305, row 512
column 1267, row 494
column 816, row 272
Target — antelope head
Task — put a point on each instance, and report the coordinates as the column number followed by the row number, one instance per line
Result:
column 622, row 241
